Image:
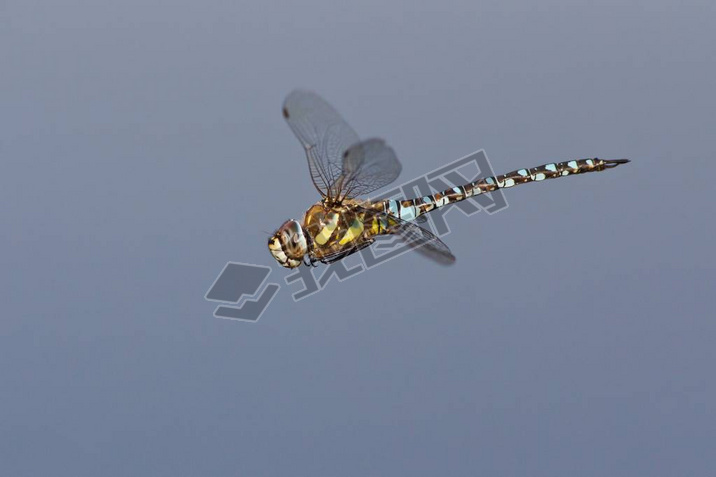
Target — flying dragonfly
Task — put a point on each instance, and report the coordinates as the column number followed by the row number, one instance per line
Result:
column 343, row 168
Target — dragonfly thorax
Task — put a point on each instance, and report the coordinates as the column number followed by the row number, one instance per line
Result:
column 288, row 244
column 339, row 229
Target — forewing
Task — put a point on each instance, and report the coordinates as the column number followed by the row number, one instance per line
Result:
column 325, row 136
column 368, row 166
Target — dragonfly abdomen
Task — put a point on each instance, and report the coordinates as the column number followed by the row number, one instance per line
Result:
column 412, row 208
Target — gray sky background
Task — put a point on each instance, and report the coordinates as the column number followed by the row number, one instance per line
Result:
column 142, row 147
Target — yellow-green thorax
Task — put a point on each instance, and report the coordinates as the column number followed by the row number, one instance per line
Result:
column 338, row 228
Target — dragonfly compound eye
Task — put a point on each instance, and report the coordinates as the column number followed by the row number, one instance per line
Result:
column 288, row 245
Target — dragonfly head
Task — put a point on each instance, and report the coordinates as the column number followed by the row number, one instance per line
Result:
column 288, row 244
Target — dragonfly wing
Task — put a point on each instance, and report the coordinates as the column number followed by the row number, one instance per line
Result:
column 368, row 166
column 325, row 136
column 423, row 241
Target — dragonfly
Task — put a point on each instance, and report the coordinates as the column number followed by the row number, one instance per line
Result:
column 344, row 169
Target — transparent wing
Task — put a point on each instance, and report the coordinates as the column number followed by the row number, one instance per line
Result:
column 324, row 135
column 367, row 166
column 423, row 241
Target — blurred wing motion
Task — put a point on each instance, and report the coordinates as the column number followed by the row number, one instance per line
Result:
column 340, row 165
column 422, row 241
